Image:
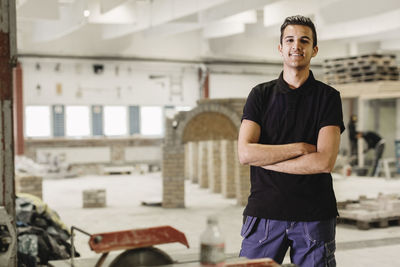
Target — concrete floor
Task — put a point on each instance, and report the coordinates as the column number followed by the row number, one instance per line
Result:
column 377, row 246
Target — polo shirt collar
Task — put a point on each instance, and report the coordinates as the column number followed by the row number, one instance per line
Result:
column 284, row 88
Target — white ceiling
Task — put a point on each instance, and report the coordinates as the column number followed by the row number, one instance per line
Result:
column 199, row 29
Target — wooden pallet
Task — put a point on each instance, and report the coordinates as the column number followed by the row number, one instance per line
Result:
column 372, row 223
column 366, row 68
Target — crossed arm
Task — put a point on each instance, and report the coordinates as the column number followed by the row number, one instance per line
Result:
column 294, row 158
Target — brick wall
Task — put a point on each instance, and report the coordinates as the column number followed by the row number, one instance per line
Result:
column 193, row 161
column 242, row 180
column 187, row 162
column 228, row 164
column 202, row 167
column 214, row 165
column 173, row 168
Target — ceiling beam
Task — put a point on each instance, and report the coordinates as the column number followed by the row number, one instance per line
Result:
column 108, row 5
column 361, row 27
column 158, row 13
column 33, row 9
column 71, row 19
column 276, row 12
column 152, row 14
column 123, row 13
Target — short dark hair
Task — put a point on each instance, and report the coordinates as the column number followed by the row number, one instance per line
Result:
column 299, row 20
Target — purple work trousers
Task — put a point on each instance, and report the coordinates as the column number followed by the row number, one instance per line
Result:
column 311, row 243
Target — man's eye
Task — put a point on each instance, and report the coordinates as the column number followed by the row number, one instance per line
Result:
column 305, row 41
column 289, row 40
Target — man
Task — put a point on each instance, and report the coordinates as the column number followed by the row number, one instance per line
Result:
column 290, row 135
column 374, row 141
column 352, row 135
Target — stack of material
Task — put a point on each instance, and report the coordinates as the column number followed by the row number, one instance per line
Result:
column 365, row 68
column 368, row 212
column 28, row 183
column 94, row 198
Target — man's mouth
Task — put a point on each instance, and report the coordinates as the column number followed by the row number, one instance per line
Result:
column 296, row 55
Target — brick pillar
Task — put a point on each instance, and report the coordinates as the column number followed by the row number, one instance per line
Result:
column 227, row 169
column 187, row 161
column 193, row 162
column 214, row 165
column 202, row 170
column 242, row 179
column 173, row 169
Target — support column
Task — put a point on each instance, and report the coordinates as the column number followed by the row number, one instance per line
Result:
column 7, row 59
column 242, row 179
column 202, row 170
column 360, row 128
column 227, row 169
column 193, row 162
column 18, row 111
column 187, row 161
column 214, row 165
column 397, row 118
column 172, row 169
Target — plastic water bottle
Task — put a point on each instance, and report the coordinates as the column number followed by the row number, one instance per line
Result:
column 212, row 244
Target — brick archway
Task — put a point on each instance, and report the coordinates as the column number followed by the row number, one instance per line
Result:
column 203, row 113
column 209, row 126
column 215, row 119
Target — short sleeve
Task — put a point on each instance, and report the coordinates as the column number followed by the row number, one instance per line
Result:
column 252, row 108
column 332, row 113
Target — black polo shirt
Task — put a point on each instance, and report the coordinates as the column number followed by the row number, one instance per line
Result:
column 286, row 116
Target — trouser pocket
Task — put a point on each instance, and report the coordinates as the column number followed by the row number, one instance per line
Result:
column 248, row 226
column 330, row 248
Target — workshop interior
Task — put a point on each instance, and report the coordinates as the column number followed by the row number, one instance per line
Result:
column 120, row 119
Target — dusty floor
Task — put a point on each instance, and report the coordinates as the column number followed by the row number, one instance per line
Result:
column 377, row 246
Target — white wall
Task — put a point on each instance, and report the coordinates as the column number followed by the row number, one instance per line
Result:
column 234, row 86
column 130, row 85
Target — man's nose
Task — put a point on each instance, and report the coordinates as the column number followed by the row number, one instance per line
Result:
column 296, row 44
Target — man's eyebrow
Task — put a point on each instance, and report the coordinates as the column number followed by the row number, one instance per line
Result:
column 302, row 37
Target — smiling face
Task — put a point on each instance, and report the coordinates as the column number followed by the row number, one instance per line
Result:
column 297, row 47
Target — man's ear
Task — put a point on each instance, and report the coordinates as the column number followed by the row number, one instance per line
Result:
column 280, row 49
column 315, row 51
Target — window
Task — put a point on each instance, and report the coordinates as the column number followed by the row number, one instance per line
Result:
column 37, row 121
column 78, row 122
column 115, row 120
column 151, row 121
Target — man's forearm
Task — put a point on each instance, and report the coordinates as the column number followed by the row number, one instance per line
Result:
column 307, row 164
column 260, row 155
column 322, row 161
